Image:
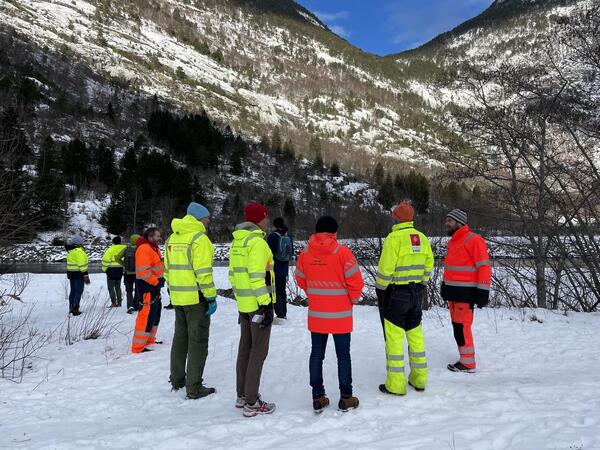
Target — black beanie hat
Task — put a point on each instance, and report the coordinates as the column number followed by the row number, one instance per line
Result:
column 326, row 224
column 116, row 240
column 278, row 222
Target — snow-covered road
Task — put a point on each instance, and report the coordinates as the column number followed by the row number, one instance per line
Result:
column 538, row 387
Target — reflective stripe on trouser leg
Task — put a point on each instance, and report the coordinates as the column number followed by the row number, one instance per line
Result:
column 152, row 339
column 395, row 381
column 416, row 356
column 462, row 315
column 140, row 336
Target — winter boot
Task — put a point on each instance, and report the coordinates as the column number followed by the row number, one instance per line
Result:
column 259, row 407
column 383, row 389
column 460, row 367
column 320, row 403
column 202, row 392
column 347, row 403
column 75, row 311
column 130, row 310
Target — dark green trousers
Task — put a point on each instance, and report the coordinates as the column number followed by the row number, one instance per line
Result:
column 190, row 343
column 114, row 290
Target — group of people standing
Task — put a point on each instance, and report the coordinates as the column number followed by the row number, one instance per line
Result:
column 326, row 271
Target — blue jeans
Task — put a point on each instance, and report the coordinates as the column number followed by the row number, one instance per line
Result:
column 317, row 355
column 76, row 292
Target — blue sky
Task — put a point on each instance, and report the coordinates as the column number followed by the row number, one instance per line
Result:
column 391, row 26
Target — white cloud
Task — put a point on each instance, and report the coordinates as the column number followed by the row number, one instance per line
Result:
column 340, row 30
column 332, row 16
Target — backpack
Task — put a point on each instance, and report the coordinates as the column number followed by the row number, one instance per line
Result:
column 129, row 259
column 285, row 250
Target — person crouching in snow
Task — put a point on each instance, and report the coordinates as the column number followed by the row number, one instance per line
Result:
column 149, row 271
column 329, row 274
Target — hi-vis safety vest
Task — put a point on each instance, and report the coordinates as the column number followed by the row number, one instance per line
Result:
column 189, row 262
column 331, row 278
column 149, row 266
column 467, row 268
column 77, row 262
column 111, row 257
column 250, row 263
column 406, row 257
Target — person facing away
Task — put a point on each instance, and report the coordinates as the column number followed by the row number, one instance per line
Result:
column 112, row 266
column 77, row 272
column 404, row 269
column 251, row 276
column 149, row 272
column 189, row 257
column 467, row 278
column 329, row 274
column 282, row 247
column 127, row 259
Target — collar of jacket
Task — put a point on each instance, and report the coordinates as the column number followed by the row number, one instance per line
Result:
column 249, row 226
column 141, row 241
column 323, row 242
column 189, row 224
column 403, row 226
column 460, row 233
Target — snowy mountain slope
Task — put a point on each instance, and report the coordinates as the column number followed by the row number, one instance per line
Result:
column 251, row 65
column 262, row 64
column 528, row 393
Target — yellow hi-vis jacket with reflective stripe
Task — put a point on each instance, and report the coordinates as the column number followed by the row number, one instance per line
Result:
column 406, row 257
column 250, row 266
column 189, row 257
column 111, row 257
column 77, row 261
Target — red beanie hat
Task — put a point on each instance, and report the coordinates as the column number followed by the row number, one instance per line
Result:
column 404, row 212
column 255, row 212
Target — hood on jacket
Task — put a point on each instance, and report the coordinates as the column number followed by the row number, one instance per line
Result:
column 134, row 238
column 322, row 242
column 189, row 224
column 282, row 230
column 245, row 228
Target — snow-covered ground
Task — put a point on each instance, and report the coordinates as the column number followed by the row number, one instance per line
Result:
column 538, row 387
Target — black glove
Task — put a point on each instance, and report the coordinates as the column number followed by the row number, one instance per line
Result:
column 380, row 296
column 482, row 298
column 267, row 312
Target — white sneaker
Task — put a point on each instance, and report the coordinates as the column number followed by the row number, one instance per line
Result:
column 240, row 402
column 259, row 407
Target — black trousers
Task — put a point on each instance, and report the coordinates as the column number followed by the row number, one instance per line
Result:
column 402, row 305
column 281, row 293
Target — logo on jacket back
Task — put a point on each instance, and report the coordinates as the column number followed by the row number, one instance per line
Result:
column 415, row 241
column 318, row 261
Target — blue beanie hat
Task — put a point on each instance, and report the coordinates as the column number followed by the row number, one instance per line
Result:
column 197, row 210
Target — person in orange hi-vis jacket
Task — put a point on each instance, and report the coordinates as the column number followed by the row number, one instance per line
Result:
column 467, row 278
column 149, row 272
column 330, row 275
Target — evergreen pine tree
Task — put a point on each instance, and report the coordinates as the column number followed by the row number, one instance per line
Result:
column 386, row 193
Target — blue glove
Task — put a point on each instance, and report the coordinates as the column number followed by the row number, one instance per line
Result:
column 212, row 305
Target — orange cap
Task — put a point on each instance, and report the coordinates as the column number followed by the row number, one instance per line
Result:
column 404, row 212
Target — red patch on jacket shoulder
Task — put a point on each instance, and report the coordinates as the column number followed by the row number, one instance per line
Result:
column 415, row 240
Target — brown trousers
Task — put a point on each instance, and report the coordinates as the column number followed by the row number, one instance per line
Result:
column 252, row 352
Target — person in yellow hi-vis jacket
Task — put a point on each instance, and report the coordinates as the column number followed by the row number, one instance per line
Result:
column 112, row 266
column 252, row 278
column 189, row 257
column 77, row 272
column 404, row 268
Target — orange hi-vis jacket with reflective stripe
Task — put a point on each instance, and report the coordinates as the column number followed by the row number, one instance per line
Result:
column 329, row 274
column 149, row 266
column 467, row 269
